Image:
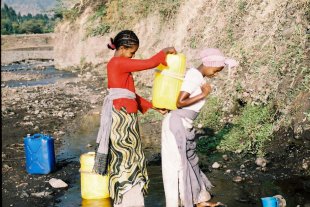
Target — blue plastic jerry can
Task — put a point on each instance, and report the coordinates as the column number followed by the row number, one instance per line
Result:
column 40, row 154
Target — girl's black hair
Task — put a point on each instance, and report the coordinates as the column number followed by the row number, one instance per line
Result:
column 126, row 38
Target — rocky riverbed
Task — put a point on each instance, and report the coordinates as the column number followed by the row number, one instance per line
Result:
column 50, row 109
column 55, row 109
column 58, row 109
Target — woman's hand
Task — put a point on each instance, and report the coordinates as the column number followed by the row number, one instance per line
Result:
column 206, row 89
column 162, row 111
column 169, row 50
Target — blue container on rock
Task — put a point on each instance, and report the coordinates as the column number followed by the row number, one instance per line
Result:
column 40, row 154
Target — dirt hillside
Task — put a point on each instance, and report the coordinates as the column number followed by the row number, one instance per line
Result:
column 270, row 39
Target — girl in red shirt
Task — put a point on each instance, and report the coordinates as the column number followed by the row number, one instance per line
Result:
column 119, row 152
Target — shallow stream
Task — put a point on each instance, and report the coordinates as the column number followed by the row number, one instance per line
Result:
column 49, row 74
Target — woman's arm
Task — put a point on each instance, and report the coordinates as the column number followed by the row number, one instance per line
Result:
column 133, row 65
column 185, row 100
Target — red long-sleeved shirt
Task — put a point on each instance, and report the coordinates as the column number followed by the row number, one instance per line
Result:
column 119, row 76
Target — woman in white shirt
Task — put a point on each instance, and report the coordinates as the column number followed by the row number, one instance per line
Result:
column 184, row 183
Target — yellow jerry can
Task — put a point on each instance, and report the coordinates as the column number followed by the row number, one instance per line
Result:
column 93, row 186
column 168, row 81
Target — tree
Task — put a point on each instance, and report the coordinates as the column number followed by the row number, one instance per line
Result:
column 12, row 23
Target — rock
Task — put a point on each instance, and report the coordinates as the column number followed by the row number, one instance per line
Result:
column 216, row 165
column 228, row 171
column 60, row 113
column 41, row 194
column 24, row 195
column 61, row 133
column 6, row 167
column 282, row 201
column 70, row 114
column 57, row 183
column 22, row 185
column 262, row 162
column 225, row 157
column 305, row 165
column 237, row 179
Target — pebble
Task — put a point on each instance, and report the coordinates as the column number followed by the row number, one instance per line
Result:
column 237, row 179
column 228, row 171
column 22, row 185
column 262, row 162
column 216, row 165
column 225, row 157
column 57, row 183
column 6, row 167
column 41, row 194
column 305, row 166
column 24, row 195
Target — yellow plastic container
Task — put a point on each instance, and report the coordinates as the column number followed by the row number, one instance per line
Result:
column 105, row 202
column 168, row 81
column 93, row 186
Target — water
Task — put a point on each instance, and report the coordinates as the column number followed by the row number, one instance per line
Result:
column 50, row 74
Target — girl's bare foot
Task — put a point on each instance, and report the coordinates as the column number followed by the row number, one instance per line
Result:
column 210, row 204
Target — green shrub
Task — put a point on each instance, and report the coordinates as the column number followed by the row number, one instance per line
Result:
column 209, row 143
column 250, row 130
column 210, row 114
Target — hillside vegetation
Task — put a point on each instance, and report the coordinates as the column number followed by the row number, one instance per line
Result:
column 267, row 94
column 15, row 23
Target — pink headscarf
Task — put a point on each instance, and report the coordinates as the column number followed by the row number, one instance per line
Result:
column 213, row 57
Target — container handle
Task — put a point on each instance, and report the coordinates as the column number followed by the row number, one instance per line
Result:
column 178, row 76
column 35, row 136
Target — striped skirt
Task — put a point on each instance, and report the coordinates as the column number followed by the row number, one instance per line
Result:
column 127, row 166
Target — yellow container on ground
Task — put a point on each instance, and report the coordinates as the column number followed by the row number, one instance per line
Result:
column 93, row 186
column 168, row 81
